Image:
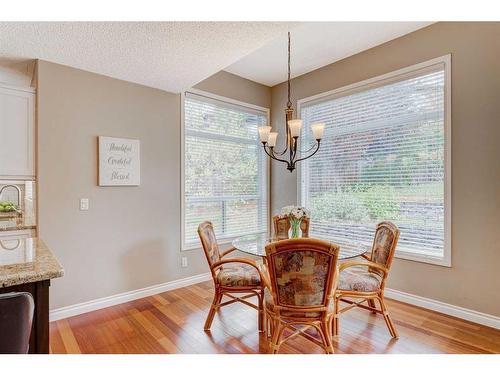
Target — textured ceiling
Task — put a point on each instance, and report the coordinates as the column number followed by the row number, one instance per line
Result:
column 316, row 44
column 167, row 55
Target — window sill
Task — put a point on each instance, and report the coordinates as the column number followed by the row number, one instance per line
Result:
column 422, row 258
column 197, row 246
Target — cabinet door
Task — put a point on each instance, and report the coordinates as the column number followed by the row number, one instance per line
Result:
column 17, row 133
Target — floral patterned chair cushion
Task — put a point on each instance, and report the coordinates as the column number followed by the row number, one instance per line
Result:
column 210, row 246
column 238, row 275
column 358, row 279
column 384, row 239
column 301, row 277
column 269, row 304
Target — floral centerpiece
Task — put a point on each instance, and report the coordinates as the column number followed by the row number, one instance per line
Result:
column 295, row 215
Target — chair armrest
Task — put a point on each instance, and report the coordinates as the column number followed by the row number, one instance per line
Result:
column 366, row 256
column 265, row 278
column 230, row 250
column 250, row 262
column 365, row 264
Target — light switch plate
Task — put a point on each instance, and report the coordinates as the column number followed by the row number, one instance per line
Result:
column 84, row 204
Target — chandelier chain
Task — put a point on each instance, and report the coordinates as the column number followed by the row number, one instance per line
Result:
column 289, row 103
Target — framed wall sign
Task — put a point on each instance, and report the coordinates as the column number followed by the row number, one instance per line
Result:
column 119, row 161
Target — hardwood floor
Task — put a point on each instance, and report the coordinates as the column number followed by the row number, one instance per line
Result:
column 172, row 322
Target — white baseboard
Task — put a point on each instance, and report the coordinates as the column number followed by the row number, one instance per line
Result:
column 444, row 308
column 100, row 303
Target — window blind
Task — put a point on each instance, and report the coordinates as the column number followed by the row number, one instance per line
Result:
column 225, row 172
column 381, row 158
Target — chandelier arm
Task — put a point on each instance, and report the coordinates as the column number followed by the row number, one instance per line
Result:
column 282, row 152
column 307, row 157
column 272, row 155
column 304, row 151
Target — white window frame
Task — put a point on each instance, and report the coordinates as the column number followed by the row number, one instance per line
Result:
column 209, row 95
column 384, row 79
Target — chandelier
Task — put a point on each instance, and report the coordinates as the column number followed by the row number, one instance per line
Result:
column 291, row 154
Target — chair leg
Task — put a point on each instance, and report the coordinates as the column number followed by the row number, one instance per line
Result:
column 270, row 323
column 335, row 322
column 325, row 333
column 261, row 310
column 213, row 309
column 276, row 338
column 330, row 328
column 266, row 324
column 387, row 318
column 371, row 303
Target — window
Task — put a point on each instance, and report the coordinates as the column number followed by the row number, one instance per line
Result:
column 384, row 156
column 225, row 172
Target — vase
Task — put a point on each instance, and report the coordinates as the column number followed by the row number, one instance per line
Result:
column 295, row 231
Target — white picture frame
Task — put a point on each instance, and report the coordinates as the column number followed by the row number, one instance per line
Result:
column 119, row 161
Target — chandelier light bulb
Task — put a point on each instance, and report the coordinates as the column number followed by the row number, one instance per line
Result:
column 295, row 126
column 318, row 129
column 264, row 133
column 271, row 141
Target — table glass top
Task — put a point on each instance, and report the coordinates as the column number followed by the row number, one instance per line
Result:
column 255, row 244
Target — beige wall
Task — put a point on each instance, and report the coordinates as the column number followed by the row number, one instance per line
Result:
column 473, row 281
column 130, row 237
column 234, row 87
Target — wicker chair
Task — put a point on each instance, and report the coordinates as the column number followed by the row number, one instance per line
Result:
column 300, row 286
column 365, row 280
column 230, row 276
column 282, row 226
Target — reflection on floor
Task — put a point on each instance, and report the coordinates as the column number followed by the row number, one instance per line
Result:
column 172, row 322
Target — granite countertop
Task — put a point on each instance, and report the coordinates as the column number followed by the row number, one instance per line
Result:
column 26, row 260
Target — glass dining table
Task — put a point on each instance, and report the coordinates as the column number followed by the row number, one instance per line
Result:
column 254, row 244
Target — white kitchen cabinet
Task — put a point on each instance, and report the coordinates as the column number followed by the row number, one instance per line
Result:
column 16, row 247
column 21, row 233
column 17, row 132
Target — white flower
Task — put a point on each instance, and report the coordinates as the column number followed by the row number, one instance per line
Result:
column 285, row 211
column 295, row 212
